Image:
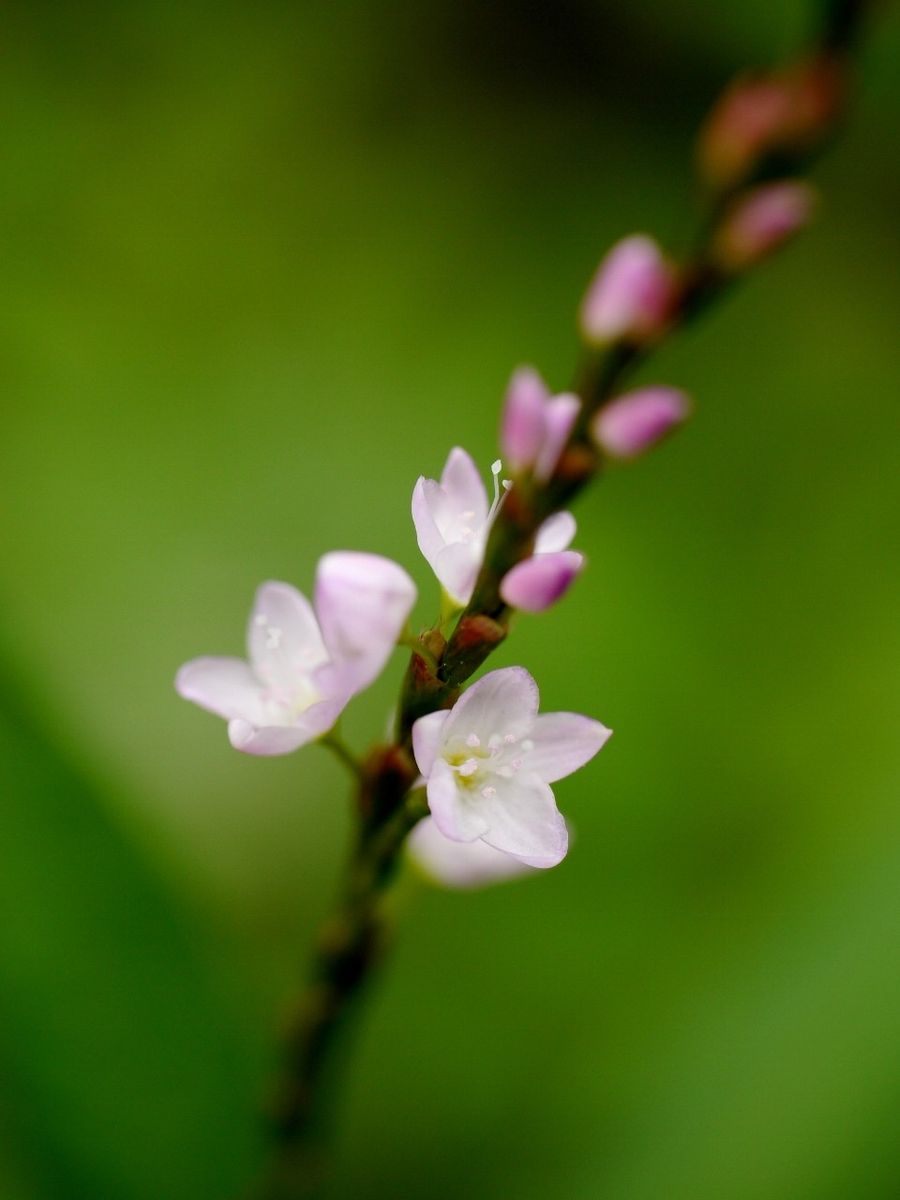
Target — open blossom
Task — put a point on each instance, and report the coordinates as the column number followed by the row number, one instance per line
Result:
column 536, row 425
column 453, row 519
column 489, row 761
column 304, row 664
column 462, row 865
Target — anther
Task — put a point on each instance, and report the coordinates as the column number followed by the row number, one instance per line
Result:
column 473, row 740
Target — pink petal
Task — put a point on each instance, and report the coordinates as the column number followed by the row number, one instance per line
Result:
column 522, row 430
column 761, row 222
column 556, row 533
column 283, row 636
column 363, row 602
column 537, row 583
column 464, row 486
column 563, row 742
column 501, row 702
column 460, row 864
column 427, row 738
column 267, row 740
column 523, row 821
column 456, row 817
column 560, row 416
column 635, row 422
column 225, row 686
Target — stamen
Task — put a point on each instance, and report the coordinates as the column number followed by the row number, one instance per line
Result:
column 527, row 745
column 494, row 741
column 489, row 792
column 473, row 740
column 510, row 739
column 468, row 768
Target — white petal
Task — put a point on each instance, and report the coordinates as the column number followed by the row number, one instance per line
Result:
column 426, row 739
column 523, row 821
column 283, row 638
column 460, row 864
column 267, row 740
column 363, row 602
column 426, row 498
column 555, row 534
column 501, row 702
column 563, row 742
column 457, row 568
column 462, row 482
column 457, row 816
column 225, row 686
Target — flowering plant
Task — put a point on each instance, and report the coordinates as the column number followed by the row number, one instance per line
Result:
column 465, row 780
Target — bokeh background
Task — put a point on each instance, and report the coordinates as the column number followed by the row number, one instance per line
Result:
column 264, row 264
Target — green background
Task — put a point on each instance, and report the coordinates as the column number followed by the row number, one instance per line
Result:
column 264, row 264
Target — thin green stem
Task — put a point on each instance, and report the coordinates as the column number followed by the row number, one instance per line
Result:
column 335, row 743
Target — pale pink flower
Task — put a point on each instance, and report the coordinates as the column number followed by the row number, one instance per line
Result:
column 536, row 425
column 632, row 295
column 453, row 519
column 305, row 665
column 489, row 761
column 638, row 420
column 538, row 582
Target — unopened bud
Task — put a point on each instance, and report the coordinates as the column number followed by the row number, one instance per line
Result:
column 538, row 582
column 761, row 222
column 635, row 422
column 771, row 114
column 632, row 296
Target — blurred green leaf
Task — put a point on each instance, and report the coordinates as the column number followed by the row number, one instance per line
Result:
column 124, row 1070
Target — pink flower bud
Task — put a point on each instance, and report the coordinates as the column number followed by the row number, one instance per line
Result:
column 638, row 420
column 632, row 295
column 761, row 222
column 522, row 431
column 538, row 582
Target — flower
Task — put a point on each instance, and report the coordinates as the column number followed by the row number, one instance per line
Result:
column 538, row 582
column 463, row 865
column 632, row 294
column 638, row 420
column 488, row 763
column 535, row 425
column 453, row 520
column 305, row 665
column 762, row 221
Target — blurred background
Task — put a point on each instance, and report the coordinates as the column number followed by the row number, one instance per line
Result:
column 264, row 264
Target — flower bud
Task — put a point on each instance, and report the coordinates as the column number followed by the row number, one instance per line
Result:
column 632, row 295
column 538, row 582
column 766, row 114
column 761, row 222
column 522, row 430
column 635, row 422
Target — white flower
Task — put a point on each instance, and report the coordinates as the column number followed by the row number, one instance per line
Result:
column 453, row 519
column 305, row 665
column 488, row 763
column 462, row 865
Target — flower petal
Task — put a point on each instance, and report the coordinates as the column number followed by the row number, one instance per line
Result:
column 426, row 739
column 363, row 602
column 458, row 817
column 459, row 864
column 563, row 742
column 225, row 686
column 537, row 583
column 425, row 500
column 560, row 416
column 267, row 740
column 556, row 533
column 457, row 568
column 284, row 642
column 523, row 821
column 462, row 482
column 504, row 701
column 522, row 429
